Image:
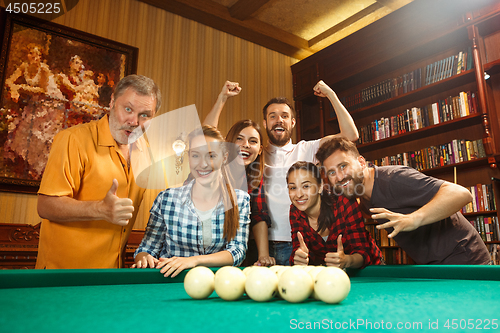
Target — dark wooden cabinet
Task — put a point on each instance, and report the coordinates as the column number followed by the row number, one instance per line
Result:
column 402, row 46
column 19, row 245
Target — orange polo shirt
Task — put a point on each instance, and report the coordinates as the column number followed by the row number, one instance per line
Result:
column 83, row 162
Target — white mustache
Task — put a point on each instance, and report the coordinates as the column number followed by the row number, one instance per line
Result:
column 128, row 128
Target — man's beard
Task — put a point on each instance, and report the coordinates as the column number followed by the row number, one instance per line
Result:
column 287, row 134
column 355, row 189
column 116, row 133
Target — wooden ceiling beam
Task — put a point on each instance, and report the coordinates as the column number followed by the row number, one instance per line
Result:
column 388, row 3
column 347, row 22
column 218, row 17
column 244, row 9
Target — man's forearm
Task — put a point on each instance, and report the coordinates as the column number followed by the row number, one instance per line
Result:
column 66, row 209
column 347, row 126
column 448, row 200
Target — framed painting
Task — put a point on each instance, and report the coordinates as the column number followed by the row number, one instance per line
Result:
column 53, row 77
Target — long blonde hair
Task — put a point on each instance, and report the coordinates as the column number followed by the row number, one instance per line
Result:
column 231, row 216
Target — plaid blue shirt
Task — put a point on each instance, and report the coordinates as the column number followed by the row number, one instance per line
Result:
column 174, row 229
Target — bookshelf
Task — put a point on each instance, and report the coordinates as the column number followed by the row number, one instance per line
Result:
column 421, row 70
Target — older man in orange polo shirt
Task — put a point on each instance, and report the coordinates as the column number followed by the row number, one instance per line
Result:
column 88, row 197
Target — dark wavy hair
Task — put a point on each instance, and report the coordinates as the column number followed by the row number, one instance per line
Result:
column 278, row 100
column 326, row 217
column 254, row 170
column 332, row 145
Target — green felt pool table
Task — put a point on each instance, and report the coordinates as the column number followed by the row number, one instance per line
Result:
column 382, row 299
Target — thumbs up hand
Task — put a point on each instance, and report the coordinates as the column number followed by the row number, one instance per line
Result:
column 301, row 256
column 114, row 209
column 337, row 259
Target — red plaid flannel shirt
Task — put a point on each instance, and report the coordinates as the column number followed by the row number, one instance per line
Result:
column 258, row 206
column 348, row 222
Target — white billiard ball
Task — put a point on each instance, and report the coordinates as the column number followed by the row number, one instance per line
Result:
column 275, row 268
column 307, row 269
column 314, row 273
column 199, row 282
column 295, row 285
column 279, row 269
column 230, row 283
column 332, row 285
column 248, row 269
column 282, row 270
column 261, row 284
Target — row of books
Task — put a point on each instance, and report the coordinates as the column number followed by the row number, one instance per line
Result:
column 384, row 240
column 448, row 67
column 388, row 246
column 410, row 81
column 483, row 199
column 416, row 118
column 487, row 227
column 384, row 90
column 396, row 257
column 453, row 152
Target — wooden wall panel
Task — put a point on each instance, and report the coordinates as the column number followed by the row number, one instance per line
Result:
column 18, row 208
column 189, row 61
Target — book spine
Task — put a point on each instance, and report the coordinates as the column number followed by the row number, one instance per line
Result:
column 485, row 197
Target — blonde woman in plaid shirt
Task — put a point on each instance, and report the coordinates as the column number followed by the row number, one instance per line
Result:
column 205, row 222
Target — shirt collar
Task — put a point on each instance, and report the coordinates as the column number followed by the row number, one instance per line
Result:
column 297, row 213
column 272, row 149
column 185, row 195
column 104, row 133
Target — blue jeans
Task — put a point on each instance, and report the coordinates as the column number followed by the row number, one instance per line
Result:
column 281, row 251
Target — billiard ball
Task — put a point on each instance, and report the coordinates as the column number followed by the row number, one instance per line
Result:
column 307, row 269
column 230, row 283
column 261, row 284
column 275, row 268
column 295, row 285
column 281, row 270
column 199, row 282
column 247, row 270
column 332, row 285
column 314, row 273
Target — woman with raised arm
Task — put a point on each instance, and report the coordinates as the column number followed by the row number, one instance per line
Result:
column 248, row 135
